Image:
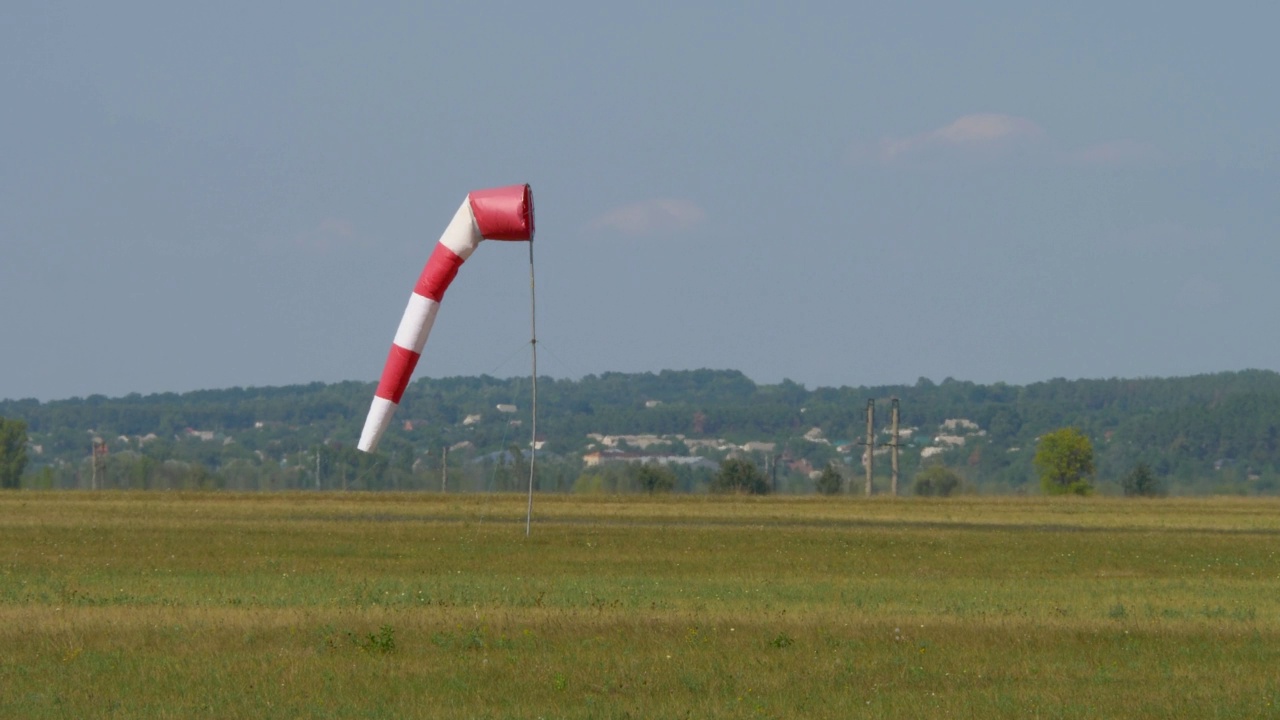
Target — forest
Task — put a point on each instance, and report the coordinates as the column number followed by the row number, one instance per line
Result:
column 1205, row 434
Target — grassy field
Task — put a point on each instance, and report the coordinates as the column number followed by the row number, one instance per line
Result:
column 393, row 605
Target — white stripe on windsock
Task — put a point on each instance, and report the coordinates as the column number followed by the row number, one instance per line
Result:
column 376, row 423
column 462, row 236
column 416, row 323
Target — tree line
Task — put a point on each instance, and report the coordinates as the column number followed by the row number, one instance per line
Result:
column 1215, row 433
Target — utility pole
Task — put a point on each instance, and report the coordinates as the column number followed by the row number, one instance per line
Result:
column 444, row 469
column 870, row 442
column 99, row 462
column 893, row 486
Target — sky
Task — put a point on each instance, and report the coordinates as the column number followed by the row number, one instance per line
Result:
column 201, row 196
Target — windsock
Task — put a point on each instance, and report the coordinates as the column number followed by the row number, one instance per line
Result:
column 504, row 213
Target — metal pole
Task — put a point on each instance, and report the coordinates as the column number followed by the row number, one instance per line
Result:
column 533, row 344
column 871, row 442
column 894, row 484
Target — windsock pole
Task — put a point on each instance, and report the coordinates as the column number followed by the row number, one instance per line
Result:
column 533, row 344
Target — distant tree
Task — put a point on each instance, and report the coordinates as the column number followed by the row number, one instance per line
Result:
column 739, row 476
column 653, row 478
column 13, row 452
column 1064, row 459
column 520, row 473
column 829, row 482
column 1213, row 432
column 588, row 483
column 511, row 470
column 936, row 480
column 1142, row 482
column 1004, row 424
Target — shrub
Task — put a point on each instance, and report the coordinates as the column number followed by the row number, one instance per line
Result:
column 654, row 478
column 739, row 476
column 830, row 481
column 936, row 480
column 1142, row 482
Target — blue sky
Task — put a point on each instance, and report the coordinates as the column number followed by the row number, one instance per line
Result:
column 242, row 194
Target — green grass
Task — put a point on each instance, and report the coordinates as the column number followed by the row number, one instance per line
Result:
column 395, row 605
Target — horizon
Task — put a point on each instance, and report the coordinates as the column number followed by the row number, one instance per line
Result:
column 807, row 388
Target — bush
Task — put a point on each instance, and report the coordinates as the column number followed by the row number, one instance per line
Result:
column 739, row 476
column 936, row 480
column 13, row 452
column 1142, row 482
column 830, row 481
column 654, row 478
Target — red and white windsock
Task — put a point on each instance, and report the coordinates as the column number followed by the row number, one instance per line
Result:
column 504, row 213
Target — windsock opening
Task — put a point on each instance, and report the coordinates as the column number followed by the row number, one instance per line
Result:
column 504, row 213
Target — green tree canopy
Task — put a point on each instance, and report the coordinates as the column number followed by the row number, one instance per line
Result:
column 1208, row 433
column 653, row 478
column 13, row 452
column 830, row 481
column 936, row 479
column 1141, row 482
column 739, row 476
column 1064, row 460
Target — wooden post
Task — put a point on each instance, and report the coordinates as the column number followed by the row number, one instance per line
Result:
column 893, row 486
column 98, row 460
column 871, row 442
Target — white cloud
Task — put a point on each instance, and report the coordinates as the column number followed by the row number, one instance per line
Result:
column 650, row 216
column 978, row 131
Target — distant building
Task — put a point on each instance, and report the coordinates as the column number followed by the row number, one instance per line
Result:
column 595, row 459
column 801, row 466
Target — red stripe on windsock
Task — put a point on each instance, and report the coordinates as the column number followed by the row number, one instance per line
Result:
column 439, row 271
column 504, row 213
column 396, row 373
